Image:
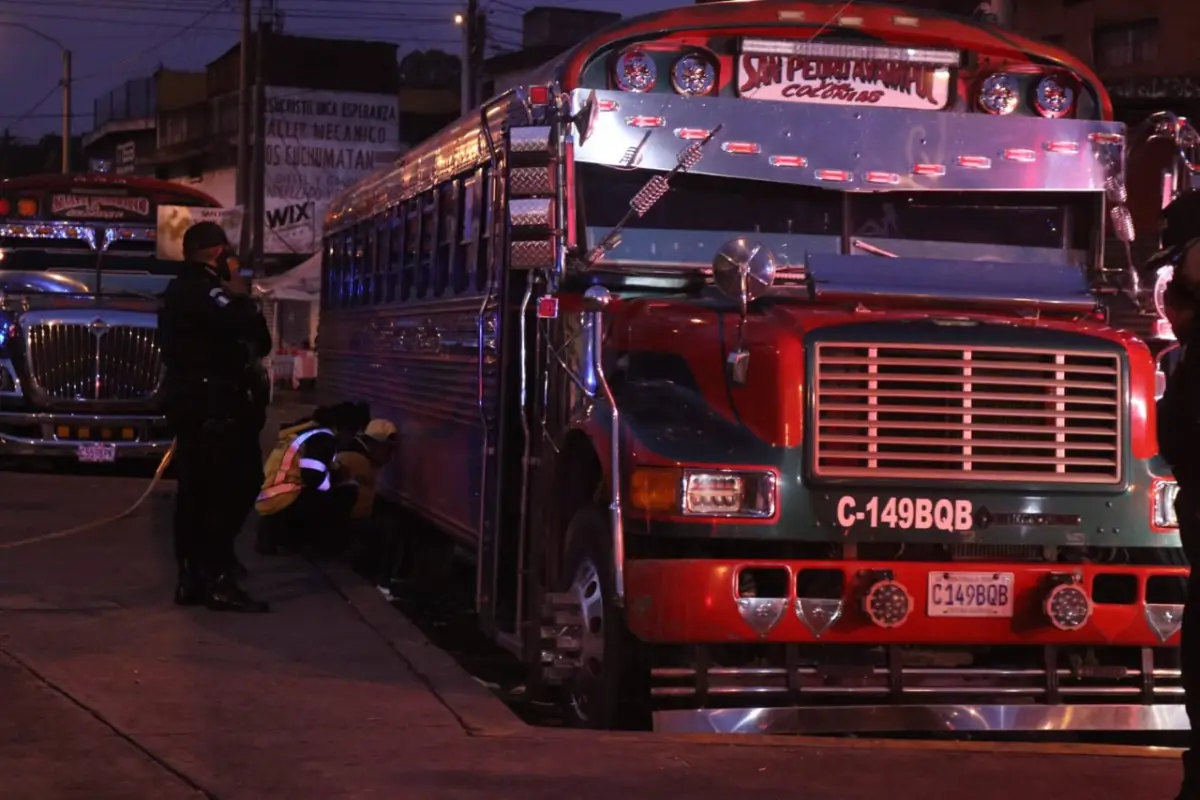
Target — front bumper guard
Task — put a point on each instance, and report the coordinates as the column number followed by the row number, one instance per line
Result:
column 34, row 434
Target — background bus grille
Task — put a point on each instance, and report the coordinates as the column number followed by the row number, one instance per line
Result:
column 981, row 413
column 69, row 362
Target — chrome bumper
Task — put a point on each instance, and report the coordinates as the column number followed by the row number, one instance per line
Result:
column 925, row 719
column 48, row 445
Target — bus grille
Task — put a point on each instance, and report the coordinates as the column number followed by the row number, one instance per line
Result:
column 74, row 362
column 951, row 413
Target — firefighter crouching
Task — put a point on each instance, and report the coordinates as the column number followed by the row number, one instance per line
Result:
column 372, row 534
column 299, row 503
column 213, row 341
column 1179, row 445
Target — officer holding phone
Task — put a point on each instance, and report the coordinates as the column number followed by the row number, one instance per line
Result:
column 214, row 338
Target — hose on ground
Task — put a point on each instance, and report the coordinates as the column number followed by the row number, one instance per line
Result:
column 100, row 523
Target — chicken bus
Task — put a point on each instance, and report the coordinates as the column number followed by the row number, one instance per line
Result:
column 761, row 355
column 80, row 365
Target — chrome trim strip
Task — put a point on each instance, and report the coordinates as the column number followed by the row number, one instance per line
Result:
column 924, row 719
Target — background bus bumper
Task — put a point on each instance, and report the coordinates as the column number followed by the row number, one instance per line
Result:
column 36, row 435
column 924, row 719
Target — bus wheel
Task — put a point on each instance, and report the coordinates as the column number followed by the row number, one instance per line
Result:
column 603, row 689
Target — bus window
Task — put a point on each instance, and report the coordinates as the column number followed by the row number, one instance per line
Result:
column 428, row 243
column 448, row 209
column 346, row 272
column 483, row 221
column 395, row 222
column 412, row 241
column 366, row 265
column 382, row 250
column 327, row 270
column 460, row 271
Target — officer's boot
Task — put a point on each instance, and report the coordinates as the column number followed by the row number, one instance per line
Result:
column 189, row 591
column 225, row 595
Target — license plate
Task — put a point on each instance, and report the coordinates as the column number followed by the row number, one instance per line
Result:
column 905, row 513
column 970, row 594
column 99, row 453
column 843, row 81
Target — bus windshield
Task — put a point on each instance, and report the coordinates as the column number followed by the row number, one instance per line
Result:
column 700, row 212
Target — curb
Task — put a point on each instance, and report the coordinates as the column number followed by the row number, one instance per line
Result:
column 479, row 711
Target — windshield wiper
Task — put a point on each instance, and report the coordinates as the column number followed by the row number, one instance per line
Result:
column 867, row 247
column 648, row 195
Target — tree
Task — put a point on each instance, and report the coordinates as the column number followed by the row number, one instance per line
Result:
column 430, row 69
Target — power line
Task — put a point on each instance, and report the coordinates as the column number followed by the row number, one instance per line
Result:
column 308, row 14
column 33, row 109
column 162, row 43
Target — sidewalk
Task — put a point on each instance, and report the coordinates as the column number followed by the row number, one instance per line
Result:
column 108, row 692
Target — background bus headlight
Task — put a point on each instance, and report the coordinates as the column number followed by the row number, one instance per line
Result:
column 1053, row 98
column 636, row 71
column 693, row 75
column 1164, row 504
column 1000, row 94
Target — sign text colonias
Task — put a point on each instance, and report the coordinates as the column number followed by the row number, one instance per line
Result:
column 840, row 79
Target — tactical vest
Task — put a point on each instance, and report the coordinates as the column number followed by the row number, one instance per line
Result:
column 282, row 470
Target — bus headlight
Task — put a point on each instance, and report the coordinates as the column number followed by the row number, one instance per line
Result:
column 1164, row 493
column 1000, row 94
column 703, row 492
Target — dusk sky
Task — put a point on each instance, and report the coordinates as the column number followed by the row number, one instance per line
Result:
column 114, row 40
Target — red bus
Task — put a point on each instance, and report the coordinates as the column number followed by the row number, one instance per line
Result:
column 80, row 367
column 760, row 353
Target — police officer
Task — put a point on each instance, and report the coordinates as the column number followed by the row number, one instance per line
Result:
column 213, row 340
column 1179, row 445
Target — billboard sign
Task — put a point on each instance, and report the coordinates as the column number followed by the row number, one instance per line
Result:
column 318, row 144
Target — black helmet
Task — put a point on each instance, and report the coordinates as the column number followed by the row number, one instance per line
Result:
column 204, row 236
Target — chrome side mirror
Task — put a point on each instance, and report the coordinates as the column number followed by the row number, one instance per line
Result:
column 743, row 271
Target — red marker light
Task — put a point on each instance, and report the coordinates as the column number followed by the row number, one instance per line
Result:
column 788, row 161
column 645, row 122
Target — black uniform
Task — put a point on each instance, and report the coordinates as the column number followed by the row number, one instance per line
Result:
column 213, row 343
column 1179, row 445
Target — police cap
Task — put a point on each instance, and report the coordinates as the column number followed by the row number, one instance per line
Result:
column 204, row 236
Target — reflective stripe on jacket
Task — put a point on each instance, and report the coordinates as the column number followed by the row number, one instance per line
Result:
column 284, row 466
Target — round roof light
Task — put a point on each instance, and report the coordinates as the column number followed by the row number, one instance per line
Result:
column 693, row 75
column 1000, row 94
column 636, row 71
column 1053, row 98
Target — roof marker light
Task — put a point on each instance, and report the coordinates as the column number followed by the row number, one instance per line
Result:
column 788, row 161
column 929, row 170
column 837, row 175
column 645, row 122
column 889, row 178
column 1019, row 155
column 975, row 162
column 691, row 134
column 1063, row 148
column 607, row 105
column 741, row 148
column 1103, row 137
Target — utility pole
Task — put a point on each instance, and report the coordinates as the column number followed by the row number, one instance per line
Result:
column 243, row 140
column 473, row 23
column 260, row 148
column 66, row 112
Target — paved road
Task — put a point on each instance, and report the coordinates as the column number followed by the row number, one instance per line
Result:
column 108, row 692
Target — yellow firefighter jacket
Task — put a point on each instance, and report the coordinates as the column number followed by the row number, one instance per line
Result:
column 286, row 469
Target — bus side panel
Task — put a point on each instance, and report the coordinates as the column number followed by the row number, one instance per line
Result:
column 418, row 366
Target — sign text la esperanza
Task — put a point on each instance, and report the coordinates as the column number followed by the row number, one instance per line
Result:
column 329, row 120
